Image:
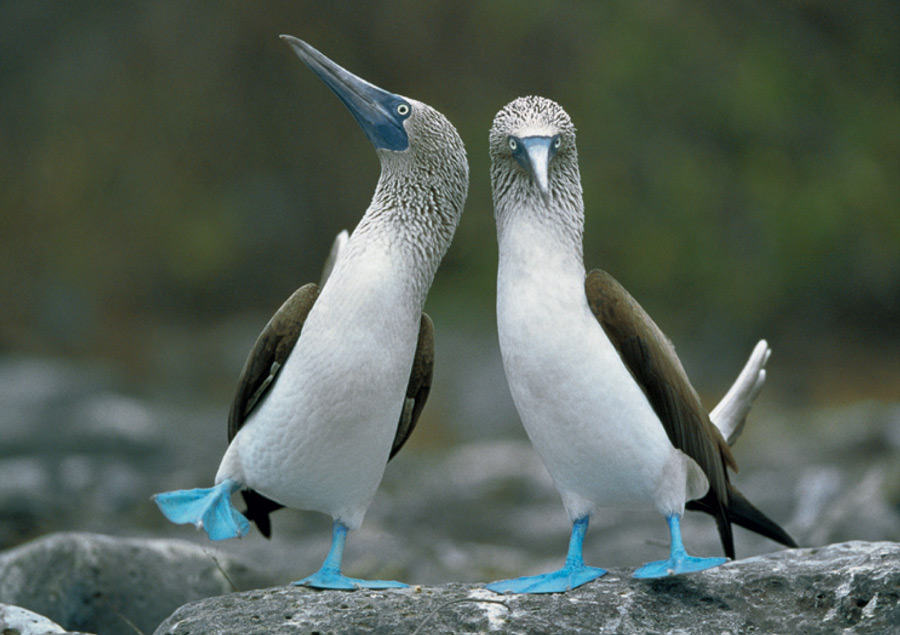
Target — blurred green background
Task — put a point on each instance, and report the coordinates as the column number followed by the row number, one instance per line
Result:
column 170, row 171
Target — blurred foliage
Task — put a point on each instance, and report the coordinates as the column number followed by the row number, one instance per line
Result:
column 173, row 162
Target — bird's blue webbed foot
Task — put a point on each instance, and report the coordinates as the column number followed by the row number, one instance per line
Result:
column 329, row 576
column 572, row 575
column 330, row 579
column 676, row 565
column 558, row 581
column 679, row 561
column 209, row 509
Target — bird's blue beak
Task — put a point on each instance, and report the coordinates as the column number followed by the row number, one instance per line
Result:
column 380, row 113
column 534, row 154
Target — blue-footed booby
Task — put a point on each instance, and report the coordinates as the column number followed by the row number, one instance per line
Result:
column 337, row 379
column 598, row 386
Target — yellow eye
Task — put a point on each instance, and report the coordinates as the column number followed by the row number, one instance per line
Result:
column 402, row 110
column 513, row 144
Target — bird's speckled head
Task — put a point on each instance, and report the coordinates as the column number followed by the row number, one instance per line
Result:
column 528, row 117
column 534, row 161
column 424, row 171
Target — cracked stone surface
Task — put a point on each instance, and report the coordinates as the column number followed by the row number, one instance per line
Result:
column 854, row 585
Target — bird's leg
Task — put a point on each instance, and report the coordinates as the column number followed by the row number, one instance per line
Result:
column 209, row 509
column 679, row 561
column 329, row 576
column 573, row 574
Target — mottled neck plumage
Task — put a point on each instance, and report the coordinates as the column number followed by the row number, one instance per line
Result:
column 517, row 202
column 419, row 198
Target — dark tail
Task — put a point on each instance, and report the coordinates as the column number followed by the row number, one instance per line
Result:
column 740, row 511
column 713, row 506
column 258, row 509
column 743, row 513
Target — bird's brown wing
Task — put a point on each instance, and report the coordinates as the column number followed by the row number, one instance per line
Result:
column 272, row 347
column 652, row 361
column 419, row 384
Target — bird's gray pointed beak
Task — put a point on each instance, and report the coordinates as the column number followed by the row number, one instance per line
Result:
column 536, row 159
column 373, row 108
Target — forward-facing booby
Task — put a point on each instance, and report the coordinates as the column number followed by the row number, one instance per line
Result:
column 337, row 379
column 600, row 390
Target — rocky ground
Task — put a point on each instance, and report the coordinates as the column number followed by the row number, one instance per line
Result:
column 848, row 586
column 467, row 502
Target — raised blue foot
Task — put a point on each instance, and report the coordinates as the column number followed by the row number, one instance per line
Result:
column 329, row 576
column 572, row 575
column 209, row 509
column 679, row 561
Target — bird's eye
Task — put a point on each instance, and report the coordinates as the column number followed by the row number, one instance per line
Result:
column 556, row 143
column 402, row 109
column 513, row 144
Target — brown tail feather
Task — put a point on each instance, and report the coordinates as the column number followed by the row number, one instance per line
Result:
column 713, row 506
column 741, row 512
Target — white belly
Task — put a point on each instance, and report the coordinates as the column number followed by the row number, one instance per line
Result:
column 321, row 438
column 588, row 420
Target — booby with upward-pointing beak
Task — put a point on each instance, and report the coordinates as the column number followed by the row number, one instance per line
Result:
column 337, row 379
column 598, row 387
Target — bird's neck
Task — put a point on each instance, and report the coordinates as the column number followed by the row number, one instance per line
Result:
column 411, row 219
column 416, row 211
column 404, row 238
column 535, row 236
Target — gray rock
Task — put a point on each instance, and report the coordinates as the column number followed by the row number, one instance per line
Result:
column 108, row 585
column 14, row 620
column 854, row 585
